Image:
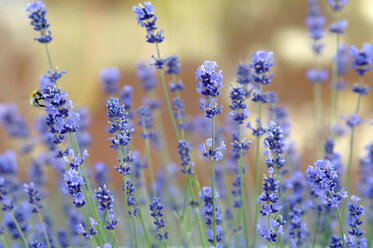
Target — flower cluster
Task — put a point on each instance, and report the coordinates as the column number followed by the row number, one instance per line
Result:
column 297, row 228
column 12, row 121
column 34, row 197
column 337, row 5
column 209, row 81
column 109, row 78
column 361, row 60
column 355, row 212
column 75, row 160
column 87, row 232
column 270, row 202
column 131, row 203
column 145, row 121
column 184, row 153
column 244, row 77
column 275, row 229
column 239, row 109
column 156, row 209
column 37, row 14
column 206, row 196
column 261, row 63
column 74, row 184
column 146, row 18
column 104, row 198
column 216, row 154
column 179, row 114
column 173, row 65
column 315, row 22
column 146, row 74
column 322, row 179
column 118, row 119
column 274, row 144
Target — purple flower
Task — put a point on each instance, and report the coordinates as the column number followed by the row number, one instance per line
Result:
column 145, row 121
column 8, row 163
column 34, row 197
column 315, row 22
column 208, row 211
column 355, row 212
column 12, row 121
column 337, row 5
column 240, row 111
column 317, row 75
column 272, row 232
column 184, row 153
column 146, row 18
column 268, row 198
column 173, row 65
column 209, row 81
column 353, row 121
column 211, row 110
column 146, row 74
column 37, row 14
column 109, row 78
column 361, row 59
column 338, row 27
column 261, row 62
column 156, row 209
column 215, row 154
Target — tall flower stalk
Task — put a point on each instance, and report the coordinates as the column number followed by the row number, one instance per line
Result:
column 261, row 62
column 361, row 63
column 209, row 84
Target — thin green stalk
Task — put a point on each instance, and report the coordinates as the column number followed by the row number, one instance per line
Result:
column 317, row 94
column 351, row 143
column 125, row 198
column 315, row 230
column 243, row 201
column 146, row 234
column 44, row 230
column 165, row 92
column 135, row 231
column 19, row 229
column 3, row 241
column 150, row 163
column 341, row 227
column 213, row 177
column 49, row 56
column 258, row 156
column 333, row 91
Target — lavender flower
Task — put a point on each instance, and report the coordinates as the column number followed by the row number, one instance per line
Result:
column 361, row 59
column 109, row 78
column 111, row 221
column 216, row 154
column 207, row 212
column 37, row 14
column 156, row 209
column 322, row 179
column 209, row 81
column 75, row 161
column 317, row 75
column 146, row 74
column 261, row 62
column 338, row 27
column 268, row 198
column 101, row 173
column 118, row 119
column 272, row 232
column 13, row 122
column 131, row 203
column 353, row 121
column 74, row 184
column 244, row 77
column 145, row 121
column 34, row 197
column 274, row 144
column 353, row 220
column 173, row 65
column 179, row 114
column 315, row 23
column 146, row 18
column 82, row 135
column 296, row 228
column 184, row 153
column 337, row 5
column 8, row 163
column 87, row 232
column 335, row 242
column 240, row 111
column 126, row 97
column 104, row 198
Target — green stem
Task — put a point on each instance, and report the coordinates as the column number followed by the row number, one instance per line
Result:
column 165, row 92
column 317, row 94
column 146, row 234
column 243, row 192
column 213, row 177
column 351, row 143
column 150, row 163
column 3, row 241
column 315, row 230
column 19, row 229
column 257, row 188
column 135, row 231
column 49, row 56
column 44, row 230
column 341, row 227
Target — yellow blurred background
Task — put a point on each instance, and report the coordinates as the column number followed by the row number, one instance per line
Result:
column 92, row 34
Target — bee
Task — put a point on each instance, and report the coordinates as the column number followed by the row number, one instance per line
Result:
column 35, row 99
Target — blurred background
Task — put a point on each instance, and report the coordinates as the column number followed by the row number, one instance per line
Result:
column 89, row 35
